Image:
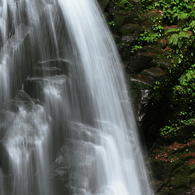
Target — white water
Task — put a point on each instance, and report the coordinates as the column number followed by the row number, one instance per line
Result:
column 60, row 53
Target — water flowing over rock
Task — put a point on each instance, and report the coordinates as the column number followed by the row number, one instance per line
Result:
column 66, row 123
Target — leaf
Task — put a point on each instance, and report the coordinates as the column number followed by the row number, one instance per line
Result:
column 182, row 16
column 173, row 39
column 192, row 14
column 185, row 34
column 172, row 30
column 175, row 15
column 192, row 24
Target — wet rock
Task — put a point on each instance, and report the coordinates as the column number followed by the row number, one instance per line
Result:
column 143, row 79
column 4, row 160
column 51, row 68
column 6, row 118
column 61, row 170
column 139, row 62
column 128, row 39
column 141, row 86
column 75, row 168
column 62, row 165
column 142, row 94
column 103, row 3
column 46, row 73
column 154, row 72
column 21, row 99
column 33, row 88
column 144, row 104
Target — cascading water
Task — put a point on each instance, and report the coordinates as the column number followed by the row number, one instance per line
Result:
column 66, row 121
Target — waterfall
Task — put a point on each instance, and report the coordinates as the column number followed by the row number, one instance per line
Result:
column 66, row 122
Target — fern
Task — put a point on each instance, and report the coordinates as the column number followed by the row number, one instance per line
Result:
column 172, row 30
column 173, row 39
column 182, row 16
column 185, row 34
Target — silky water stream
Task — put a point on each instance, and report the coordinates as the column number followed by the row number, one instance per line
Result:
column 66, row 123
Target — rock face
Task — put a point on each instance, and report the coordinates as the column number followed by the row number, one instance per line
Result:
column 60, row 171
column 103, row 3
column 140, row 65
column 70, row 162
column 53, row 70
column 4, row 165
column 173, row 168
column 150, row 77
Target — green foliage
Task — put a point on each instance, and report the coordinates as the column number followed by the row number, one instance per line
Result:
column 168, row 131
column 125, row 4
column 186, row 84
column 171, row 12
column 174, row 21
column 157, row 85
column 188, row 77
column 135, row 48
column 112, row 23
column 168, row 26
column 192, row 24
column 172, row 9
column 180, row 37
column 150, row 36
column 173, row 39
column 181, row 123
column 122, row 4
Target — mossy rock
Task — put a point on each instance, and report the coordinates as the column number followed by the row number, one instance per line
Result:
column 192, row 178
column 139, row 62
column 130, row 28
column 132, row 17
column 181, row 181
column 174, row 169
column 147, row 18
column 154, row 72
column 119, row 20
